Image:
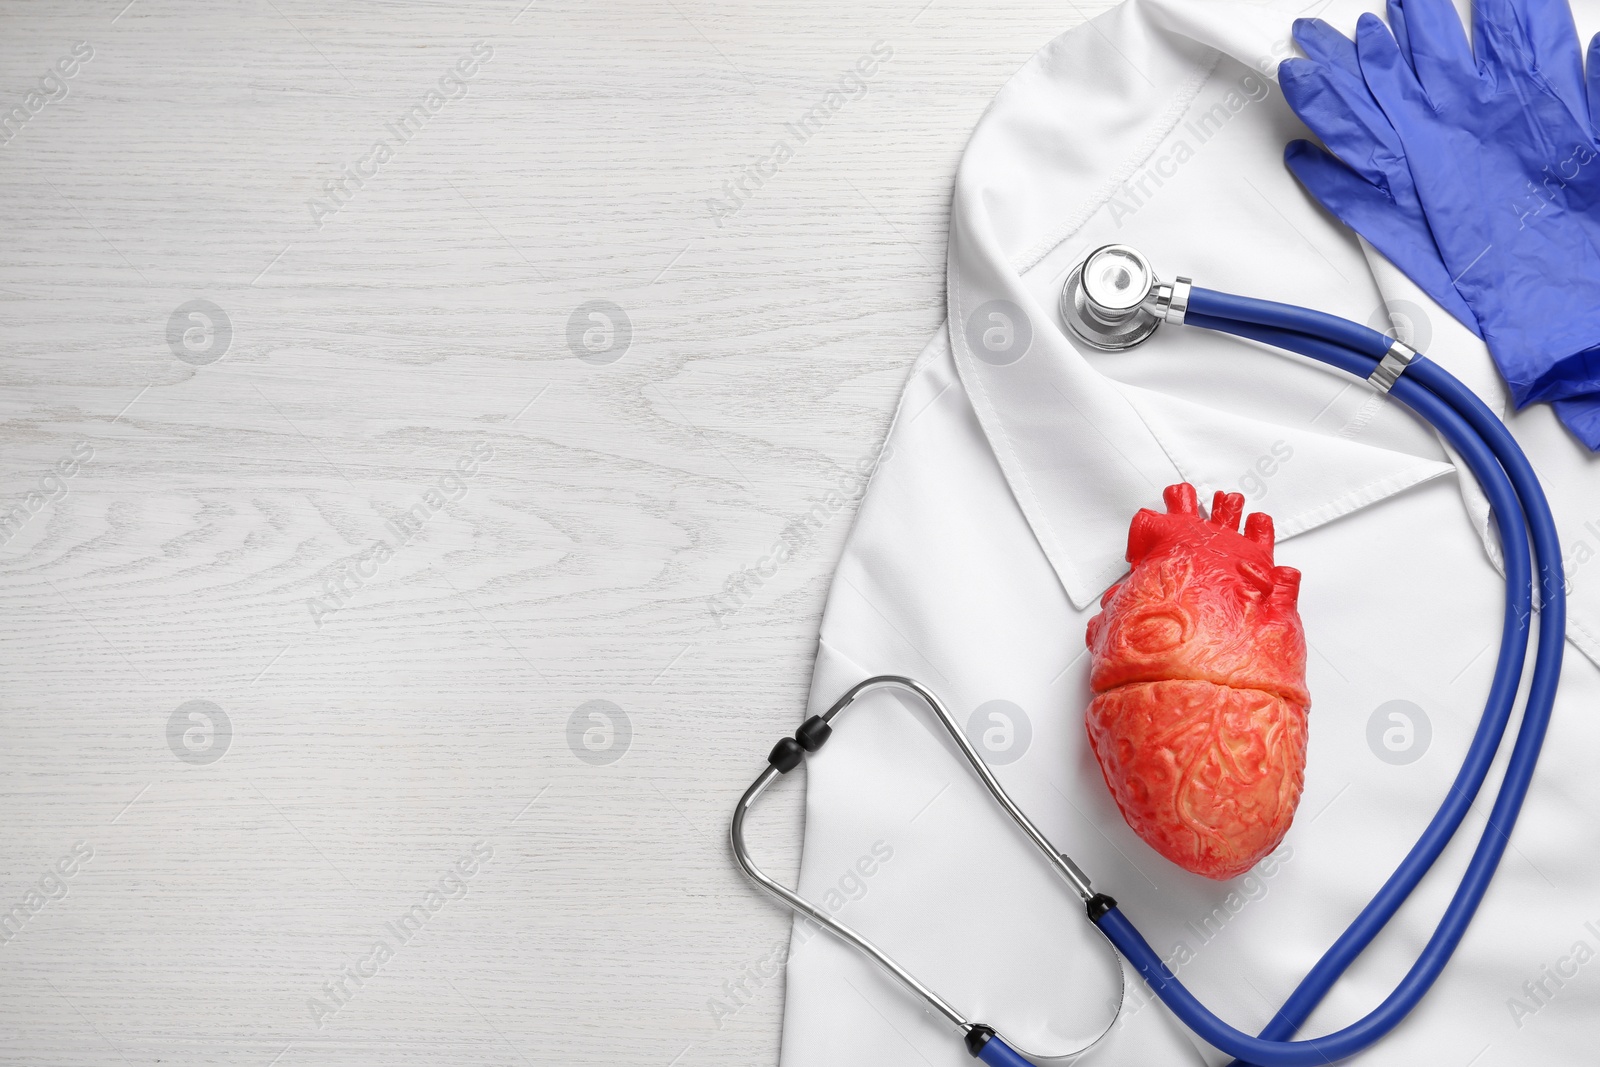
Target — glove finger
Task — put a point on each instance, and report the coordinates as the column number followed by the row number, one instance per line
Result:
column 1436, row 46
column 1333, row 53
column 1581, row 415
column 1402, row 33
column 1499, row 40
column 1341, row 112
column 1553, row 43
column 1326, row 45
column 1399, row 92
column 1398, row 230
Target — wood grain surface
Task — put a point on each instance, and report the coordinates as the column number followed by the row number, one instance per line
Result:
column 330, row 506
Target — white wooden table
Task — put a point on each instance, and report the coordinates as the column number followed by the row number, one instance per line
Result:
column 335, row 500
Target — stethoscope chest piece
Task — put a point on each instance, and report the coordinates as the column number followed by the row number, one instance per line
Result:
column 1113, row 299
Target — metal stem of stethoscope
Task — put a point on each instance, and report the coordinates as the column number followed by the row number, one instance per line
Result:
column 790, row 752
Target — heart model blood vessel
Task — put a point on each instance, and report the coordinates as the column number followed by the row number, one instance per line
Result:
column 1199, row 714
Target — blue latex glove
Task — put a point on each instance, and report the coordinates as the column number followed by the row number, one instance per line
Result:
column 1374, row 194
column 1515, row 260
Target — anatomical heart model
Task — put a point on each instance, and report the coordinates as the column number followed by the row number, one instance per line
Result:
column 1199, row 676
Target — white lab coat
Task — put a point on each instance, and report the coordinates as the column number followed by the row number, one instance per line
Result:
column 999, row 514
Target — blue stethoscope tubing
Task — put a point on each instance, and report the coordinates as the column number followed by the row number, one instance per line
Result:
column 1525, row 524
column 1528, row 543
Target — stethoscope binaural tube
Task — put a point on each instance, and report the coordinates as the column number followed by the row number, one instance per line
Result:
column 1517, row 501
column 981, row 1040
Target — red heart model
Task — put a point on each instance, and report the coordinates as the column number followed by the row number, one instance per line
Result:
column 1199, row 676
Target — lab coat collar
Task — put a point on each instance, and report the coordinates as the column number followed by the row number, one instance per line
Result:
column 1081, row 451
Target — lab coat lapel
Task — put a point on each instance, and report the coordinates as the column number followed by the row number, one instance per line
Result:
column 1081, row 452
column 1302, row 477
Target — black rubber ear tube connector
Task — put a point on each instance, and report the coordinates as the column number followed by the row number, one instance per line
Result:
column 786, row 755
column 813, row 733
column 1098, row 905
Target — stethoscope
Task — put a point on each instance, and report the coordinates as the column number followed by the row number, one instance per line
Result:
column 1113, row 300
